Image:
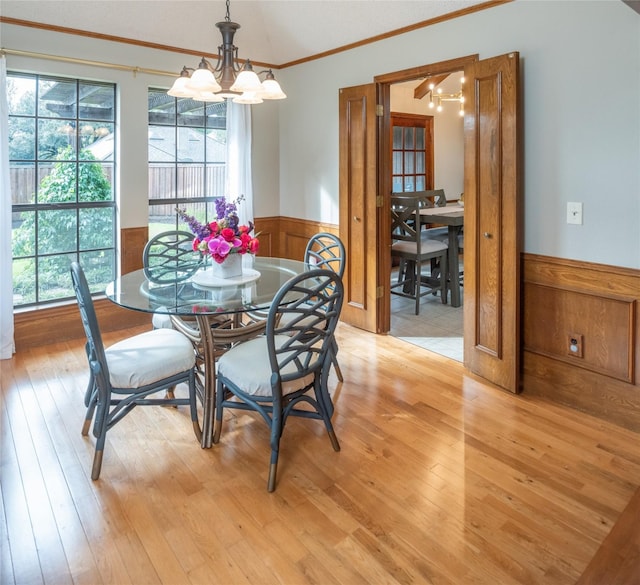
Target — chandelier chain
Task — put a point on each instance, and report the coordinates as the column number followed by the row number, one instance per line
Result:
column 228, row 17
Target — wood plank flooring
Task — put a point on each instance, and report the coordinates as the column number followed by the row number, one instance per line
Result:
column 442, row 478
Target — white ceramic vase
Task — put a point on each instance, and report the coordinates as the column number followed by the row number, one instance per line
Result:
column 230, row 268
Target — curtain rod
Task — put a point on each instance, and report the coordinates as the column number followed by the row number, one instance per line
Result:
column 134, row 70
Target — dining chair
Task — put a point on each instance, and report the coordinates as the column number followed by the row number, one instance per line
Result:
column 409, row 245
column 326, row 250
column 169, row 257
column 284, row 372
column 129, row 373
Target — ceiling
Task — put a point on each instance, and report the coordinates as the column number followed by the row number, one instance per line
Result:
column 272, row 31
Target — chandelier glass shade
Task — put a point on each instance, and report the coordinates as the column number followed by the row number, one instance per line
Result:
column 226, row 80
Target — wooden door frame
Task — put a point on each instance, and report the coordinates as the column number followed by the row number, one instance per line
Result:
column 383, row 91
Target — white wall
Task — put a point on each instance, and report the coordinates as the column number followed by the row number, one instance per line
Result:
column 580, row 63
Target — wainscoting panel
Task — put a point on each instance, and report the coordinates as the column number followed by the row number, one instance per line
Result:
column 288, row 236
column 596, row 306
column 132, row 241
column 61, row 323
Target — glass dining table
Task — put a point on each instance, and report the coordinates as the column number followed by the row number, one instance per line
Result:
column 235, row 305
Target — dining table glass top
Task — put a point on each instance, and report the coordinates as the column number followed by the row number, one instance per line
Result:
column 203, row 293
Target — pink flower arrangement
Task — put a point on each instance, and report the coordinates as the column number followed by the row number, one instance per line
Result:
column 223, row 236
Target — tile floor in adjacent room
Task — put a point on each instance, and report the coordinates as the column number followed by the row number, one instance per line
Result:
column 438, row 328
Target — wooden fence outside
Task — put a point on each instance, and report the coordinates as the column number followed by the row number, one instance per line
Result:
column 162, row 183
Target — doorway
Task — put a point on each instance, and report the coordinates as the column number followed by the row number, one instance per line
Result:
column 427, row 141
column 492, row 209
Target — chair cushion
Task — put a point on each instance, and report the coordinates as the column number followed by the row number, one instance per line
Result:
column 247, row 365
column 427, row 246
column 149, row 357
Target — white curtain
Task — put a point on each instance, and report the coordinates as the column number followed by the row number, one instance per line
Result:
column 238, row 180
column 7, row 345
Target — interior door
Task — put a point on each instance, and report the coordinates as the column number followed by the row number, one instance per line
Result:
column 493, row 221
column 359, row 205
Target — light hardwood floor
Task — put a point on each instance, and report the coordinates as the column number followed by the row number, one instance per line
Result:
column 442, row 478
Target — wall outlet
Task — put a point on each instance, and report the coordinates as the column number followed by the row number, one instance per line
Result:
column 574, row 213
column 574, row 344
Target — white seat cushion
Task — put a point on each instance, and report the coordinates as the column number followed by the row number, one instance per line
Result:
column 149, row 357
column 427, row 246
column 247, row 365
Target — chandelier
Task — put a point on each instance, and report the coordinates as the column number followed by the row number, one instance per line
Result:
column 226, row 80
column 436, row 97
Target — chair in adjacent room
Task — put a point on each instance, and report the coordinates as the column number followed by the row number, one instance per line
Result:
column 284, row 372
column 129, row 373
column 412, row 248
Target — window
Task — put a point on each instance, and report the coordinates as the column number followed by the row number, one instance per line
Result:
column 61, row 136
column 412, row 142
column 187, row 158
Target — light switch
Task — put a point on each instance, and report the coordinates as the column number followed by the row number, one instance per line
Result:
column 574, row 212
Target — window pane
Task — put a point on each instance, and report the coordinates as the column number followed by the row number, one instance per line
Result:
column 397, row 137
column 397, row 185
column 161, row 219
column 397, row 163
column 97, row 101
column 94, row 179
column 190, row 145
column 216, row 180
column 96, row 228
column 216, row 147
column 97, row 139
column 57, row 98
column 409, row 184
column 190, row 181
column 57, row 231
column 419, row 138
column 420, row 183
column 54, row 281
column 190, row 113
column 99, row 268
column 21, row 95
column 22, row 182
column 58, row 183
column 23, row 234
column 24, row 281
column 216, row 113
column 420, row 162
column 162, row 144
column 409, row 167
column 162, row 181
column 22, row 137
column 408, row 138
column 162, row 108
column 56, row 139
